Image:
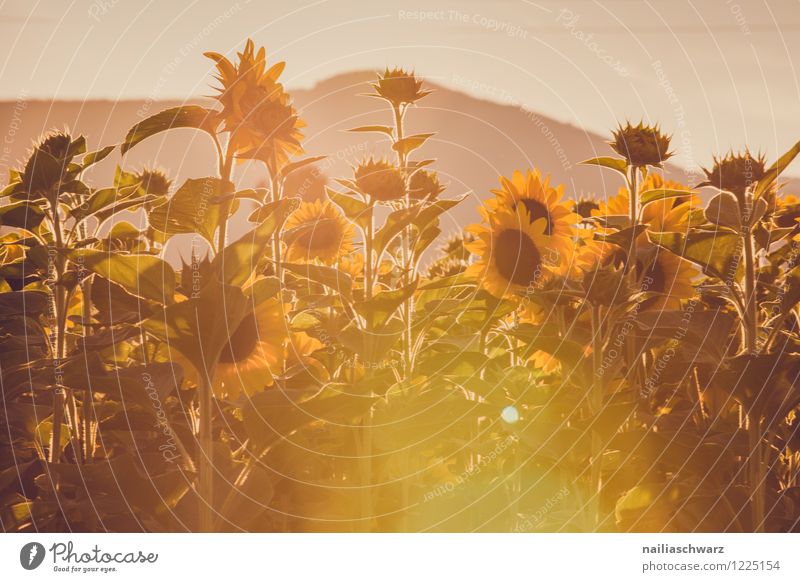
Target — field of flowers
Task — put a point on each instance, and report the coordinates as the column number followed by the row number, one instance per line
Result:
column 623, row 364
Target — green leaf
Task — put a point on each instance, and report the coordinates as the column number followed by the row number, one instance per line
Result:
column 723, row 210
column 775, row 169
column 419, row 215
column 94, row 157
column 237, row 262
column 354, row 209
column 792, row 286
column 273, row 415
column 617, row 164
column 372, row 347
column 623, row 238
column 327, row 276
column 459, row 280
column 649, row 196
column 426, row 239
column 374, row 129
column 190, row 209
column 717, row 253
column 380, row 307
column 294, row 166
column 145, row 276
column 27, row 215
column 100, row 199
column 408, row 144
column 456, row 363
column 191, row 116
column 200, row 327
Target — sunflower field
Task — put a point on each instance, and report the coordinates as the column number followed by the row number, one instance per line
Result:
column 565, row 365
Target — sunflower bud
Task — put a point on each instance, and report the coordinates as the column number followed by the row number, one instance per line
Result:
column 641, row 145
column 423, row 185
column 399, row 87
column 49, row 165
column 380, row 180
column 735, row 173
column 154, row 182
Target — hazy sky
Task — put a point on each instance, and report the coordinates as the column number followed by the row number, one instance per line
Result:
column 716, row 73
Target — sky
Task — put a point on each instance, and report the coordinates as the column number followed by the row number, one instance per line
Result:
column 715, row 73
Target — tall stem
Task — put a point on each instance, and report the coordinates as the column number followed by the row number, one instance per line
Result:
column 751, row 308
column 206, row 464
column 277, row 194
column 751, row 326
column 225, row 170
column 596, row 404
column 58, row 421
column 757, row 475
column 633, row 360
column 205, row 487
column 405, row 247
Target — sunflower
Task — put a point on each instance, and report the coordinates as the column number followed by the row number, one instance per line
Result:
column 154, row 181
column 352, row 264
column 660, row 271
column 641, row 145
column 252, row 355
column 736, row 172
column 592, row 254
column 665, row 215
column 317, row 231
column 255, row 108
column 424, row 184
column 787, row 211
column 399, row 87
column 530, row 312
column 298, row 355
column 515, row 253
column 540, row 201
column 380, row 180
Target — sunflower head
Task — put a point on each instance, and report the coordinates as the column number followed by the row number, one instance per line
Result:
column 535, row 196
column 424, row 185
column 736, row 173
column 49, row 164
column 445, row 267
column 379, row 179
column 641, row 145
column 585, row 206
column 455, row 247
column 787, row 211
column 57, row 145
column 317, row 231
column 255, row 108
column 399, row 87
column 154, row 181
column 514, row 253
column 670, row 276
column 253, row 351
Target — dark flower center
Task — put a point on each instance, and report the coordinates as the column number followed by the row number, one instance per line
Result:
column 516, row 257
column 538, row 210
column 243, row 341
column 321, row 235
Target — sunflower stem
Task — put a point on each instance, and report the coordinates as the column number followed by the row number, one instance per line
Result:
column 58, row 420
column 757, row 473
column 277, row 194
column 596, row 404
column 206, row 464
column 225, row 170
